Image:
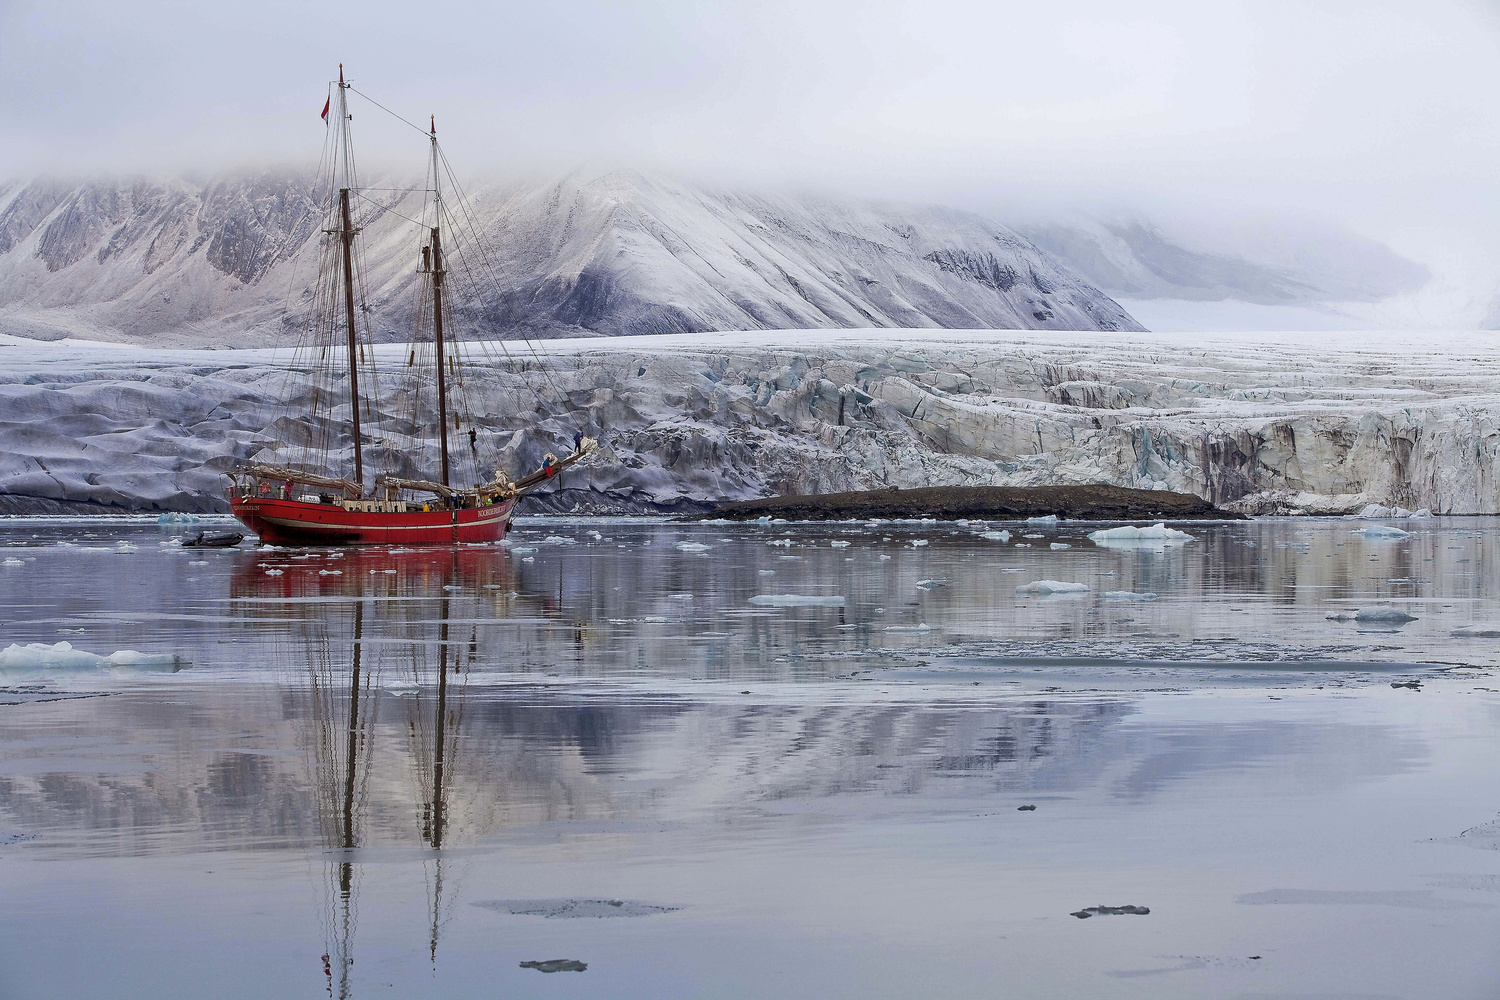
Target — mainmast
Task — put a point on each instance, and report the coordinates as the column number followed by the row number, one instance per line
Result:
column 346, row 237
column 437, row 312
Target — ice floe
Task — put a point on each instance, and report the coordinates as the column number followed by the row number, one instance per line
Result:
column 62, row 656
column 1127, row 595
column 1052, row 587
column 1157, row 535
column 796, row 600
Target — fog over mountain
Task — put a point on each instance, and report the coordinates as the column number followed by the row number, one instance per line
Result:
column 231, row 262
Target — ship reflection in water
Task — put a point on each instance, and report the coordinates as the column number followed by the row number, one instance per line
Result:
column 609, row 772
column 367, row 630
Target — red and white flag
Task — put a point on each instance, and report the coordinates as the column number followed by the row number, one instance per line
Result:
column 326, row 105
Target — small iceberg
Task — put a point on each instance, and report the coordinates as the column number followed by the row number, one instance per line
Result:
column 995, row 536
column 178, row 517
column 923, row 627
column 1157, row 535
column 1055, row 546
column 1382, row 531
column 931, row 584
column 1049, row 521
column 1383, row 616
column 839, row 544
column 1052, row 587
column 1127, row 595
column 693, row 547
column 796, row 600
column 62, row 656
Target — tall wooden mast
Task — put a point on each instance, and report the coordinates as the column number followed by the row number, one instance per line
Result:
column 346, row 237
column 437, row 314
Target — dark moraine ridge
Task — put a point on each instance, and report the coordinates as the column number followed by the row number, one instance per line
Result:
column 1083, row 503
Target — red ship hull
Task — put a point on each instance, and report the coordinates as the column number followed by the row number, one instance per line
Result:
column 298, row 522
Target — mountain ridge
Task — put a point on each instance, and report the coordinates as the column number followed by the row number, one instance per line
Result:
column 229, row 261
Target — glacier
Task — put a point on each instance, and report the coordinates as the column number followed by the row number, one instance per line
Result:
column 1271, row 423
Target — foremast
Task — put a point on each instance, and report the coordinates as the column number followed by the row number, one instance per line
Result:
column 433, row 262
column 346, row 233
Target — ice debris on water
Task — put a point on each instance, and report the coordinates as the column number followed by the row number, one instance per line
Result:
column 1052, row 587
column 559, row 540
column 930, row 584
column 1386, row 615
column 178, row 517
column 1382, row 531
column 330, row 572
column 273, row 572
column 1060, row 545
column 13, row 561
column 1127, row 595
column 1475, row 632
column 1049, row 521
column 62, row 656
column 1128, row 533
column 839, row 544
column 796, row 600
column 693, row 547
column 594, row 535
column 917, row 543
column 923, row 627
column 995, row 536
column 783, row 542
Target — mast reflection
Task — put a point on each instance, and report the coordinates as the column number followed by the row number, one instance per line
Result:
column 378, row 617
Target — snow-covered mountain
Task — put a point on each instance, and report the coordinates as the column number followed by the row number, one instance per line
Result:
column 230, row 262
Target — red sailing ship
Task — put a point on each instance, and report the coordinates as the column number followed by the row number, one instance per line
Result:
column 319, row 495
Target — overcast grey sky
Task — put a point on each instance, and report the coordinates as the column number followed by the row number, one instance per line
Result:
column 1374, row 111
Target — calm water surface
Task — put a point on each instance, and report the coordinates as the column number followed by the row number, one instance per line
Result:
column 754, row 760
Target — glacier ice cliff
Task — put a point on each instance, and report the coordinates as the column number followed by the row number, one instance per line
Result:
column 1273, row 423
column 231, row 262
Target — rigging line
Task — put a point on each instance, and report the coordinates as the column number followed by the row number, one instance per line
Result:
column 387, row 110
column 387, row 209
column 465, row 203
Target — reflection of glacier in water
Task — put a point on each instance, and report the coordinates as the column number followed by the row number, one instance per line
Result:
column 462, row 744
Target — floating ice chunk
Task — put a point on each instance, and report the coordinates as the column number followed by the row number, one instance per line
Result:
column 1128, row 534
column 1127, row 595
column 693, row 547
column 1383, row 615
column 125, row 548
column 839, row 544
column 330, row 572
column 1382, row 531
column 594, row 535
column 177, row 517
column 679, row 597
column 1060, row 545
column 528, row 559
column 13, row 561
column 62, row 656
column 796, row 600
column 1475, row 632
column 785, row 543
column 995, row 536
column 402, row 687
column 917, row 543
column 884, row 557
column 559, row 540
column 1052, row 587
column 766, row 572
column 1048, row 521
column 924, row 627
column 273, row 572
column 522, row 550
column 1033, row 535
column 930, row 584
